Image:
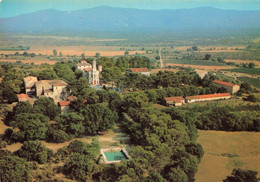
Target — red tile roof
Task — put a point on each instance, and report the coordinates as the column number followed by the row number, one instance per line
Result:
column 64, row 103
column 207, row 96
column 224, row 83
column 88, row 69
column 23, row 96
column 138, row 70
column 174, row 99
column 71, row 98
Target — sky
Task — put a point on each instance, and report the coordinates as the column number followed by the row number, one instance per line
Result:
column 10, row 8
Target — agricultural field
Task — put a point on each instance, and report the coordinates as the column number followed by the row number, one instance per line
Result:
column 257, row 63
column 36, row 62
column 79, row 50
column 202, row 67
column 225, row 151
column 254, row 71
column 253, row 81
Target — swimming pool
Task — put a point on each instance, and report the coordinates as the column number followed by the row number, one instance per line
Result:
column 115, row 155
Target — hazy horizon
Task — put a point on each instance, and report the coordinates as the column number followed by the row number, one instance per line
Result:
column 11, row 8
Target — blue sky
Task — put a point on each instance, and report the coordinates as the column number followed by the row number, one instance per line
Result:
column 9, row 8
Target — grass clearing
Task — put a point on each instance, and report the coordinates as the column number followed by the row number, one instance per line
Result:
column 225, row 151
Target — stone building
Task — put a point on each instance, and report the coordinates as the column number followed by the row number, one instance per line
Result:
column 209, row 97
column 30, row 85
column 174, row 101
column 231, row 88
column 56, row 89
column 143, row 71
column 64, row 106
column 90, row 71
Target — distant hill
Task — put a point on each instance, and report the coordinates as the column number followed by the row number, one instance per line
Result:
column 109, row 19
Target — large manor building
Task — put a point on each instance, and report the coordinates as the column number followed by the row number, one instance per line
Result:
column 56, row 89
column 90, row 71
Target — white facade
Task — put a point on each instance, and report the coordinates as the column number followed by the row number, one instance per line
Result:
column 90, row 72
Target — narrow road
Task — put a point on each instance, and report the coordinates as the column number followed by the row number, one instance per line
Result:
column 161, row 60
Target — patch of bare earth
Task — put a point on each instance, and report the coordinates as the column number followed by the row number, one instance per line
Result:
column 225, row 151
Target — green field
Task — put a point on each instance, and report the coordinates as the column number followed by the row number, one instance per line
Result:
column 253, row 71
column 196, row 62
column 253, row 81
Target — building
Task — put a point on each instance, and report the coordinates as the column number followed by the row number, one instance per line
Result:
column 231, row 88
column 56, row 89
column 90, row 71
column 30, row 85
column 143, row 71
column 64, row 107
column 209, row 97
column 174, row 101
column 23, row 97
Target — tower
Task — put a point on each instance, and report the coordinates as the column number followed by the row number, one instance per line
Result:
column 94, row 74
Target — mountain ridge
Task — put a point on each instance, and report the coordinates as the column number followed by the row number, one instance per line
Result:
column 112, row 19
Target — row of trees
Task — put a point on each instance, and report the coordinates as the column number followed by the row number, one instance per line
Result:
column 226, row 118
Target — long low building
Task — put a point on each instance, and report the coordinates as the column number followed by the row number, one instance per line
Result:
column 231, row 88
column 209, row 97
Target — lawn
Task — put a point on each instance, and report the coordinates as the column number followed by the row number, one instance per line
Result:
column 225, row 151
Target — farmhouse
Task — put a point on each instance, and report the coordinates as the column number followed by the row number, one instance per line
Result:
column 174, row 101
column 209, row 97
column 56, row 89
column 143, row 71
column 90, row 71
column 64, row 107
column 231, row 88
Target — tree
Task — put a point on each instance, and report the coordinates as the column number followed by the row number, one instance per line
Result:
column 207, row 57
column 14, row 168
column 47, row 107
column 195, row 48
column 83, row 56
column 35, row 151
column 97, row 55
column 251, row 98
column 22, row 107
column 98, row 118
column 251, row 65
column 60, row 54
column 32, row 127
column 239, row 175
column 78, row 167
column 111, row 74
column 54, row 52
column 47, row 74
column 126, row 53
